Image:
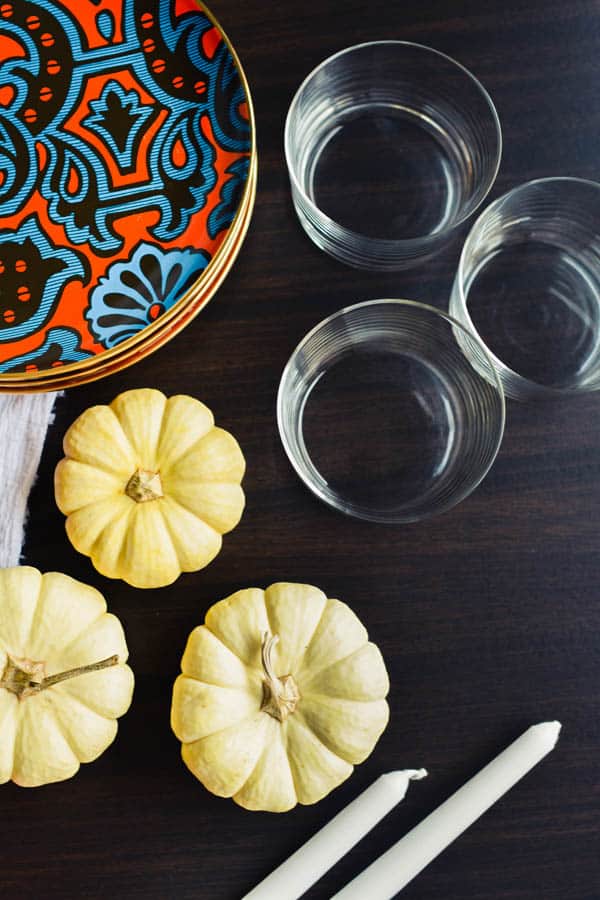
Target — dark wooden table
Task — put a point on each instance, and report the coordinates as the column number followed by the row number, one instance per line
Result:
column 488, row 616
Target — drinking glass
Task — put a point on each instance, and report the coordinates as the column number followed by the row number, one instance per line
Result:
column 390, row 146
column 528, row 283
column 384, row 417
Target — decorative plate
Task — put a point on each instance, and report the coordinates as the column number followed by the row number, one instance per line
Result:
column 129, row 353
column 126, row 137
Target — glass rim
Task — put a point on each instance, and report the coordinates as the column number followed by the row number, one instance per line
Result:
column 362, row 512
column 525, row 385
column 356, row 235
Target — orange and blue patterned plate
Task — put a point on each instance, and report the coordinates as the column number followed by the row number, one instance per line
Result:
column 58, row 379
column 126, row 150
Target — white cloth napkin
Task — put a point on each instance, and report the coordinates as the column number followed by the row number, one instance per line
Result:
column 24, row 421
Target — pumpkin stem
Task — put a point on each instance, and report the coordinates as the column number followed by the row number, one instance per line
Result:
column 144, row 485
column 280, row 695
column 18, row 678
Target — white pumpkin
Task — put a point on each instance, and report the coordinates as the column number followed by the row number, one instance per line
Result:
column 149, row 485
column 63, row 678
column 281, row 694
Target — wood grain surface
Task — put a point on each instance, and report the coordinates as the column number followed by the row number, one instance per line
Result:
column 488, row 616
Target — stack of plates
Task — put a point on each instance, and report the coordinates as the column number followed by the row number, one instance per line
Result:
column 127, row 182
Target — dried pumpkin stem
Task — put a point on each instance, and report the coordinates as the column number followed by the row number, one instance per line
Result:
column 20, row 683
column 80, row 670
column 144, row 486
column 280, row 694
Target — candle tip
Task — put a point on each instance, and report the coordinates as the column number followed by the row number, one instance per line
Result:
column 400, row 778
column 550, row 729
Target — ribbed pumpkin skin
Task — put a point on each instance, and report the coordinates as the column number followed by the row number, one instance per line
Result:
column 236, row 748
column 62, row 623
column 197, row 468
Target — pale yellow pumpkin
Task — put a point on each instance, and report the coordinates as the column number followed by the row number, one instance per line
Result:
column 281, row 694
column 63, row 678
column 149, row 485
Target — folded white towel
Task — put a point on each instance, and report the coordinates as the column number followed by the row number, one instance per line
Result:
column 24, row 421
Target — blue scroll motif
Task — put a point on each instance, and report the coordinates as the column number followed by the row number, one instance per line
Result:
column 91, row 144
column 27, row 301
column 231, row 193
column 60, row 345
column 136, row 292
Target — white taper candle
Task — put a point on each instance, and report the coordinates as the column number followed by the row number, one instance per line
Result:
column 294, row 876
column 399, row 865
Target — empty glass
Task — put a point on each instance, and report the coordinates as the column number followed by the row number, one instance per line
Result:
column 528, row 283
column 382, row 414
column 390, row 146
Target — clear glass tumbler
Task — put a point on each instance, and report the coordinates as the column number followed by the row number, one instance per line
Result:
column 528, row 283
column 389, row 146
column 384, row 417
